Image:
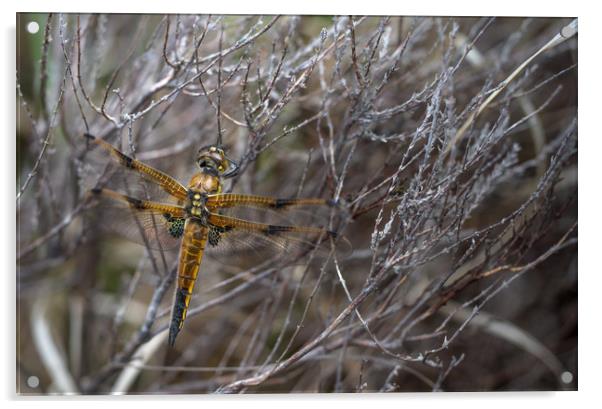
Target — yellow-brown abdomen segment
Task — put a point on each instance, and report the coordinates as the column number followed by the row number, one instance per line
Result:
column 191, row 254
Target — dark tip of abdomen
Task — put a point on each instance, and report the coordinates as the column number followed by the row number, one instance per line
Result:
column 96, row 190
column 89, row 136
column 174, row 329
column 177, row 315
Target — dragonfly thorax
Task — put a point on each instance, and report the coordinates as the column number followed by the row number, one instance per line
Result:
column 205, row 183
column 196, row 205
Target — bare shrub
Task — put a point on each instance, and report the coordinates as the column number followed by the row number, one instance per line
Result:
column 461, row 210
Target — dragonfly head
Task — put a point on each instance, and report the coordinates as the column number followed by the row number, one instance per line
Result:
column 213, row 160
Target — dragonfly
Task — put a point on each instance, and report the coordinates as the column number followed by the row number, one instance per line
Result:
column 193, row 216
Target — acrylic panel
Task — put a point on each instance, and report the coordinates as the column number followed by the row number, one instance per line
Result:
column 283, row 204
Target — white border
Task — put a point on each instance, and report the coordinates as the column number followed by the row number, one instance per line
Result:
column 590, row 151
column 356, row 7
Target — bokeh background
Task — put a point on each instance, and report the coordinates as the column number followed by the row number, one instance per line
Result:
column 463, row 275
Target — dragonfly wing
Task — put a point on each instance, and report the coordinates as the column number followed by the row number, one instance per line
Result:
column 158, row 226
column 306, row 211
column 229, row 200
column 120, row 175
column 230, row 237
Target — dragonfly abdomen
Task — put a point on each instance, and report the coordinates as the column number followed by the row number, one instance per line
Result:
column 191, row 254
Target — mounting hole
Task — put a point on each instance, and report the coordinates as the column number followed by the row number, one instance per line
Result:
column 566, row 377
column 33, row 27
column 33, row 381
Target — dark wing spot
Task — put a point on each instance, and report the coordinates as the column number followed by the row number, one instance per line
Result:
column 96, row 190
column 273, row 229
column 89, row 136
column 125, row 160
column 129, row 162
column 136, row 203
column 280, row 203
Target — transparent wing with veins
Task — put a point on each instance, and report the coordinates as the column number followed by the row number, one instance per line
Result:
column 156, row 225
